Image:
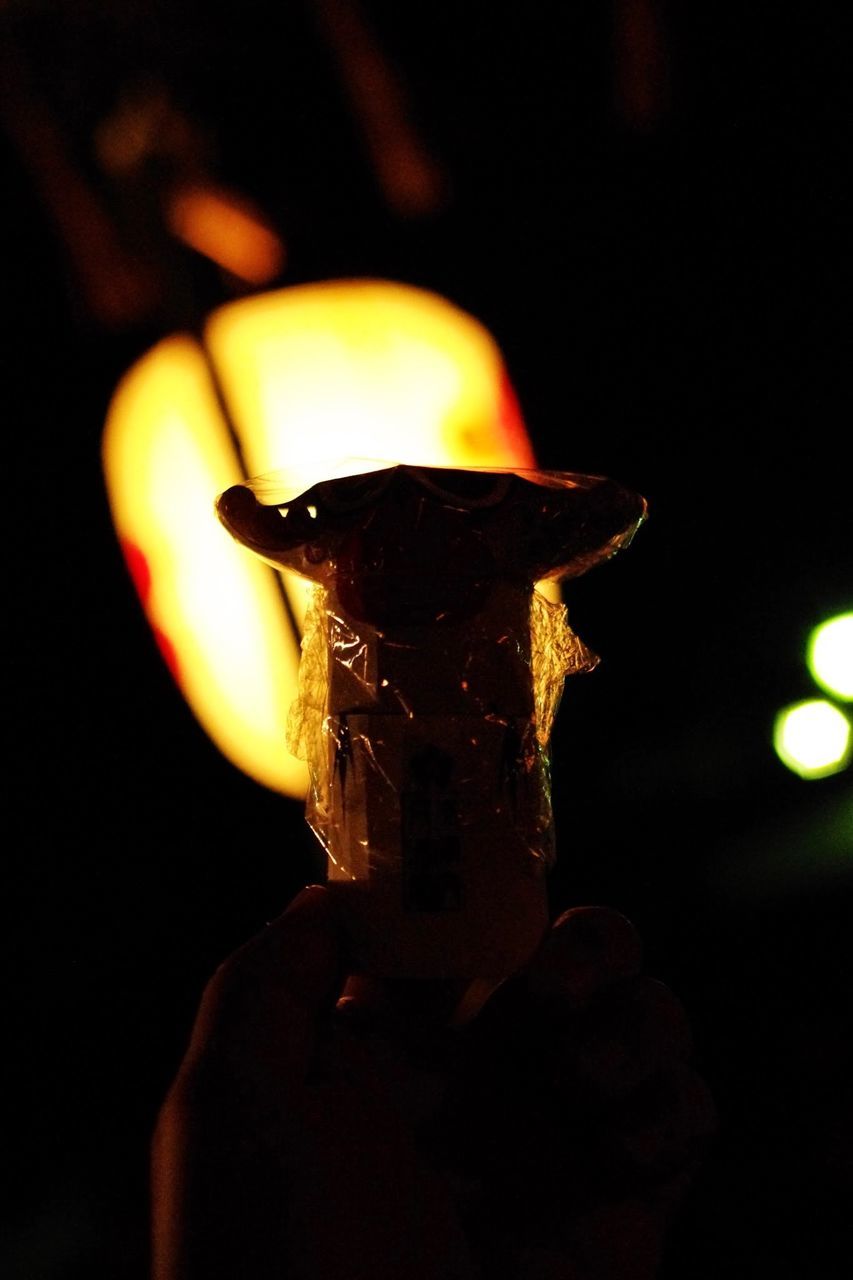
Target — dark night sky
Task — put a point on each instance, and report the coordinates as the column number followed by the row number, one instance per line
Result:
column 668, row 300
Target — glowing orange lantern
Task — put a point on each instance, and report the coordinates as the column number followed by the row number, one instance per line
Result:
column 294, row 378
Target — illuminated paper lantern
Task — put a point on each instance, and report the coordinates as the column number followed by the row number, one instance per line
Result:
column 294, row 377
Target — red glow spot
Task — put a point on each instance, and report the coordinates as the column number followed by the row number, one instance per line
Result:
column 169, row 654
column 511, row 421
column 138, row 569
column 140, row 572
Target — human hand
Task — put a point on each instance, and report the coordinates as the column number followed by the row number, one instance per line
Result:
column 576, row 1112
column 550, row 1138
column 287, row 1144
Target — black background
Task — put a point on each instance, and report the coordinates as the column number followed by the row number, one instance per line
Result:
column 667, row 293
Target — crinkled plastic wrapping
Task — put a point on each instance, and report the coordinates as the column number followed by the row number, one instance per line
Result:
column 556, row 652
column 430, row 678
column 318, row 736
column 305, row 724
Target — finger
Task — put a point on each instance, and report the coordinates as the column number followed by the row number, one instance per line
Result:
column 649, row 1145
column 260, row 1010
column 587, row 950
column 630, row 1031
column 664, row 1127
column 417, row 1010
column 613, row 1240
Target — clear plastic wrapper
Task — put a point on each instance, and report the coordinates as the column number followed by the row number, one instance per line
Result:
column 431, row 673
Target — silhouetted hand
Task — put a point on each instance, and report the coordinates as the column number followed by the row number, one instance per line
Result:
column 550, row 1138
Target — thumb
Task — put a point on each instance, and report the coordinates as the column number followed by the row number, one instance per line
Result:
column 260, row 1010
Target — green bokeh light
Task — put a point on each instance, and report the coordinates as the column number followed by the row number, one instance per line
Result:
column 812, row 738
column 830, row 655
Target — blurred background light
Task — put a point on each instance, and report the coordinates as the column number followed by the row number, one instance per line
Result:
column 812, row 738
column 227, row 229
column 830, row 655
column 298, row 376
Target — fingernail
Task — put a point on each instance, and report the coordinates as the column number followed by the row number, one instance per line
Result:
column 307, row 902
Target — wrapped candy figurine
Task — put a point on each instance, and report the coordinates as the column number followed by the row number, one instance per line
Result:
column 430, row 675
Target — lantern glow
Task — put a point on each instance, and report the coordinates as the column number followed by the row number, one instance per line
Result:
column 221, row 621
column 367, row 368
column 308, row 373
